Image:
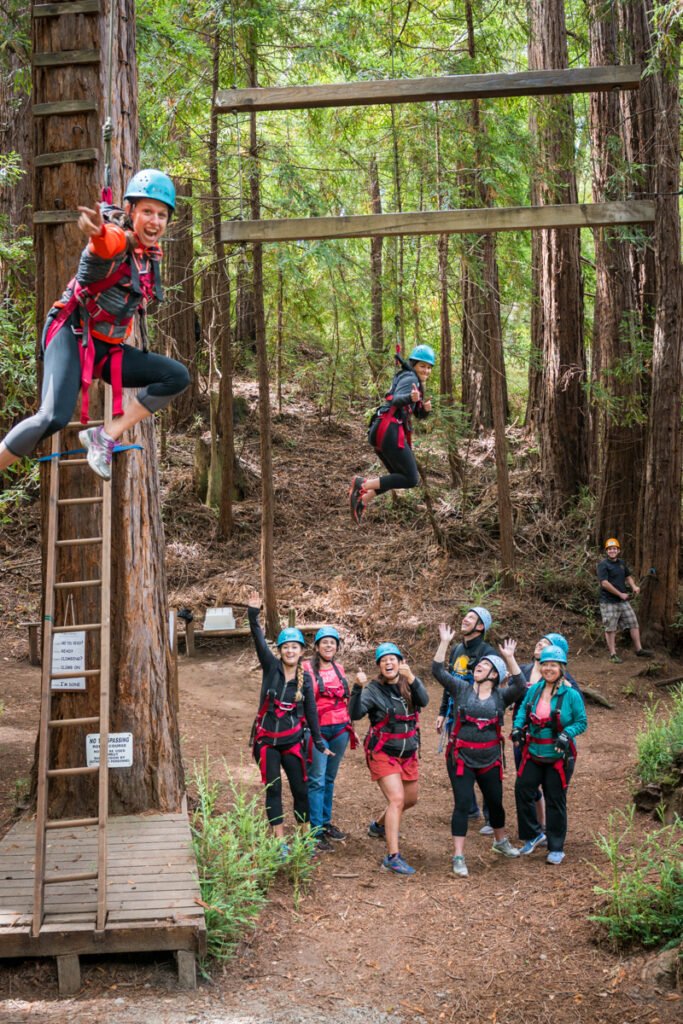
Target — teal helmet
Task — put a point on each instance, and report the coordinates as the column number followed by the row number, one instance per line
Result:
column 384, row 649
column 498, row 664
column 484, row 616
column 290, row 636
column 326, row 631
column 151, row 184
column 422, row 354
column 557, row 640
column 553, row 653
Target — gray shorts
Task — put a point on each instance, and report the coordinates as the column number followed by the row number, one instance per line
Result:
column 618, row 616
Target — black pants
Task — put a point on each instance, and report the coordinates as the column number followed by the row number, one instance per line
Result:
column 548, row 778
column 161, row 379
column 278, row 759
column 399, row 461
column 491, row 785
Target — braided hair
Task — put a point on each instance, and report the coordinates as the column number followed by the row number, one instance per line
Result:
column 299, row 695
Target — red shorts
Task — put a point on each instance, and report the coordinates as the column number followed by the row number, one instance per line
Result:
column 382, row 764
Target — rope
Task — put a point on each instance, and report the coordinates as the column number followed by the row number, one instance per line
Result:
column 81, row 451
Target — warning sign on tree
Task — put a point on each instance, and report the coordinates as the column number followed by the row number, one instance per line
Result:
column 68, row 655
column 120, row 749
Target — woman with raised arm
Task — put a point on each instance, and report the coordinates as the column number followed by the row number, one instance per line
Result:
column 475, row 750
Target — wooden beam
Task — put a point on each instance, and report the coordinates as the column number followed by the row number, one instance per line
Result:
column 75, row 7
column 55, row 60
column 442, row 222
column 412, row 90
column 64, row 107
column 55, row 216
column 67, row 156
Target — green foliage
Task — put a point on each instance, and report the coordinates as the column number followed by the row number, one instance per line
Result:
column 661, row 742
column 238, row 858
column 643, row 885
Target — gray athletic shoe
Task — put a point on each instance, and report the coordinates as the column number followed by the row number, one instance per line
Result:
column 99, row 450
column 505, row 847
column 459, row 867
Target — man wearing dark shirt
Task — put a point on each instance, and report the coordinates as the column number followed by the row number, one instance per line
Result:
column 615, row 576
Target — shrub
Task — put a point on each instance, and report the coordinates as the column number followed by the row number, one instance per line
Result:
column 643, row 890
column 661, row 742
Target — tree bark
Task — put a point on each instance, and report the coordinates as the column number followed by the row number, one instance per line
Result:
column 267, row 492
column 562, row 419
column 662, row 496
column 143, row 700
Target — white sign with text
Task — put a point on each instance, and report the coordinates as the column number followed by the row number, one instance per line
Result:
column 120, row 749
column 68, row 655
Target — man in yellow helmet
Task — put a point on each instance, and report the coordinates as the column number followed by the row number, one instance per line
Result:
column 615, row 609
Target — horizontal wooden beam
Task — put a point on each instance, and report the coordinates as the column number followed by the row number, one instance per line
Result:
column 412, row 90
column 55, row 216
column 55, row 60
column 63, row 107
column 75, row 7
column 66, row 156
column 442, row 222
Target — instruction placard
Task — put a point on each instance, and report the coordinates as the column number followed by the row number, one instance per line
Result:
column 120, row 749
column 68, row 655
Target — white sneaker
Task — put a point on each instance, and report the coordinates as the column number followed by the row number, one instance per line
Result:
column 100, row 450
column 459, row 867
column 505, row 847
column 486, row 830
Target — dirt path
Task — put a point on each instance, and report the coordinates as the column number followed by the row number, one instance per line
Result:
column 509, row 944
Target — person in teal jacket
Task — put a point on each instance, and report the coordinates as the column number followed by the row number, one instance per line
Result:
column 549, row 718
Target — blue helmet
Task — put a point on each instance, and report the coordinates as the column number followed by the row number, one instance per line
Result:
column 498, row 664
column 553, row 653
column 484, row 616
column 151, row 184
column 290, row 636
column 557, row 640
column 422, row 354
column 325, row 631
column 386, row 649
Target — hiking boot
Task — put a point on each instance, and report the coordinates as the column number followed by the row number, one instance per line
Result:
column 323, row 845
column 355, row 495
column 99, row 449
column 459, row 867
column 395, row 862
column 332, row 832
column 555, row 857
column 616, row 660
column 376, row 831
column 643, row 653
column 486, row 830
column 505, row 847
column 531, row 844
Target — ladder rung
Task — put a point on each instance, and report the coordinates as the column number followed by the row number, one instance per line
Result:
column 91, row 423
column 76, row 629
column 53, row 772
column 76, row 674
column 72, row 462
column 78, row 540
column 77, row 583
column 58, row 723
column 85, row 876
column 95, row 500
column 71, row 822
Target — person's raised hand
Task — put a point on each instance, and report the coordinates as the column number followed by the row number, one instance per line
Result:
column 406, row 671
column 361, row 677
column 415, row 393
column 427, row 406
column 445, row 632
column 254, row 600
column 508, row 648
column 90, row 221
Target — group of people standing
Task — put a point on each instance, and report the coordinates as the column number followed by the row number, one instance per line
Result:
column 305, row 724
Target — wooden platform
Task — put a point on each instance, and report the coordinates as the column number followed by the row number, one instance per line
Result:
column 152, row 894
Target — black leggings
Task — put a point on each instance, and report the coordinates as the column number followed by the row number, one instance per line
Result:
column 399, row 461
column 548, row 778
column 160, row 378
column 491, row 785
column 278, row 758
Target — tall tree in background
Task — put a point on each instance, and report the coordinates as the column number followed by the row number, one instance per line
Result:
column 618, row 410
column 143, row 698
column 562, row 417
column 661, row 529
column 376, row 301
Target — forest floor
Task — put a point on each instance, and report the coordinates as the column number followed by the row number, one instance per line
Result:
column 510, row 944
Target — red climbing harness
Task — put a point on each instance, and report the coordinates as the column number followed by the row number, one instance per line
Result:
column 552, row 721
column 384, row 731
column 262, row 737
column 456, row 744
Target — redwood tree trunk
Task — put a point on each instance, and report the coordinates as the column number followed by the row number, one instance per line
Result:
column 562, row 420
column 143, row 700
column 376, row 314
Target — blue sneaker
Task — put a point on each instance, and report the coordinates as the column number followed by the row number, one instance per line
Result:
column 376, row 831
column 531, row 844
column 555, row 857
column 397, row 864
column 284, row 852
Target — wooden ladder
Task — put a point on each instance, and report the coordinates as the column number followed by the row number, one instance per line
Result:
column 57, row 505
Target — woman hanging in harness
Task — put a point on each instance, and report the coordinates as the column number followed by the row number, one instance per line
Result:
column 84, row 334
column 331, row 691
column 475, row 750
column 392, row 702
column 391, row 431
column 551, row 715
column 285, row 704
